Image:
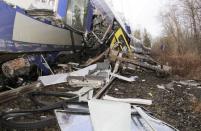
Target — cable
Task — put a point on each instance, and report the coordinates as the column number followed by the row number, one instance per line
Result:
column 7, row 118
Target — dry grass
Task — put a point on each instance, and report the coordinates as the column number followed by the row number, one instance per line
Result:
column 187, row 65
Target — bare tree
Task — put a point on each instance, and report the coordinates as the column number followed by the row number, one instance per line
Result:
column 182, row 22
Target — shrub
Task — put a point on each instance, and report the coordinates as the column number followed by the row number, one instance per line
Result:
column 186, row 65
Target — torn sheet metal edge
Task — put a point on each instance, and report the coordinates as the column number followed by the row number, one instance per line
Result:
column 129, row 100
column 70, row 120
column 85, row 94
column 62, row 78
column 84, row 71
column 73, row 122
column 104, row 116
column 151, row 123
column 53, row 79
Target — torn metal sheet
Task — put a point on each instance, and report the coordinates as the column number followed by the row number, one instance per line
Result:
column 107, row 114
column 73, row 122
column 53, row 79
column 95, row 70
column 62, row 78
column 84, row 71
column 110, row 116
column 146, row 122
column 129, row 100
column 85, row 94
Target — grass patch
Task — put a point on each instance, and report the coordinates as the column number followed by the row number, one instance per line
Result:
column 186, row 65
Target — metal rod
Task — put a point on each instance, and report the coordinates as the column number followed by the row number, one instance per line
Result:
column 47, row 64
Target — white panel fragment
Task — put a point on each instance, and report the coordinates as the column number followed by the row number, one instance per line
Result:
column 129, row 100
column 53, row 79
column 84, row 71
column 29, row 30
column 110, row 116
column 62, row 78
column 69, row 122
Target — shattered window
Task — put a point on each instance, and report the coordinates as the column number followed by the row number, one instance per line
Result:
column 76, row 13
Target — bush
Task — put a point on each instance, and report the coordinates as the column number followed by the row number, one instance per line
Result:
column 186, row 65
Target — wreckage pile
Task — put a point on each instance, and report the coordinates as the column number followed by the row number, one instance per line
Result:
column 81, row 102
column 178, row 104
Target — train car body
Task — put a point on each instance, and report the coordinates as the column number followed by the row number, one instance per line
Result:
column 27, row 41
column 36, row 41
column 20, row 33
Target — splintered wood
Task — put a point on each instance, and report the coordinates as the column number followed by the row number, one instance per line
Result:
column 130, row 59
column 12, row 94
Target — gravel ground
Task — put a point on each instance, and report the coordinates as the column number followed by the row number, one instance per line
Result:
column 177, row 104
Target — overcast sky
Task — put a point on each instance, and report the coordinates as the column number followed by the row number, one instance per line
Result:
column 142, row 13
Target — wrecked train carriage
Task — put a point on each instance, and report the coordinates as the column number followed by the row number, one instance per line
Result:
column 27, row 40
column 78, row 20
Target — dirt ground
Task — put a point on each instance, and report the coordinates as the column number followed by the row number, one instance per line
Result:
column 177, row 104
column 174, row 103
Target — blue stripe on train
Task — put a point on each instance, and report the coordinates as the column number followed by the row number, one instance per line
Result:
column 7, row 16
column 21, row 47
column 89, row 19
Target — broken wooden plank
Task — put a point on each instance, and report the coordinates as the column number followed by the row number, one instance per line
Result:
column 164, row 70
column 12, row 94
column 97, row 58
column 104, row 89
